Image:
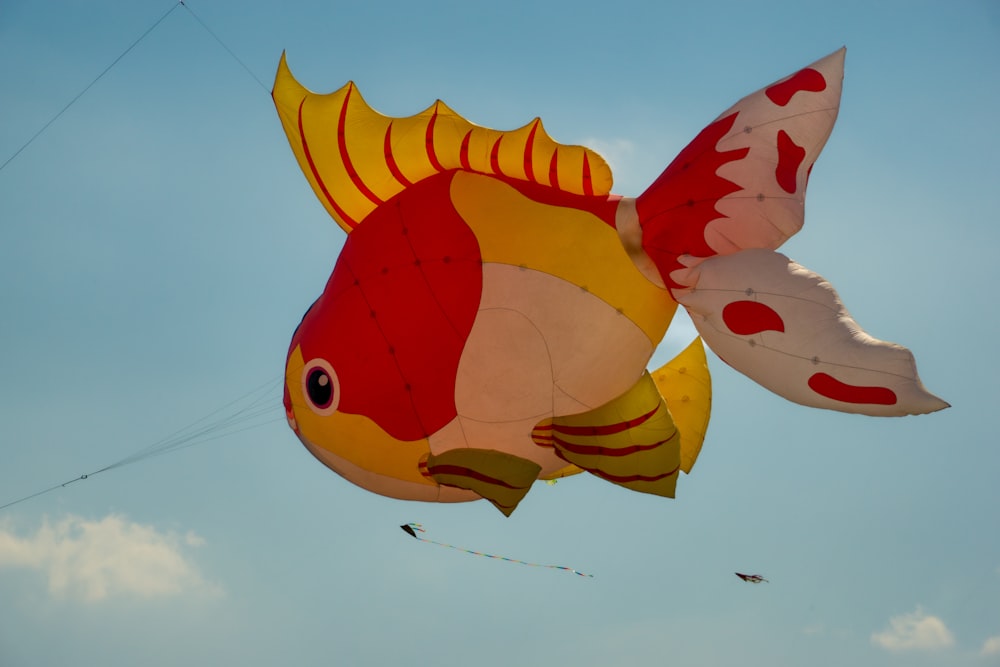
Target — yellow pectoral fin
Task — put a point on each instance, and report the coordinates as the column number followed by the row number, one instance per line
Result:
column 503, row 479
column 686, row 386
column 631, row 441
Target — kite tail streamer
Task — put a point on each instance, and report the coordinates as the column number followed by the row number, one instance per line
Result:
column 412, row 529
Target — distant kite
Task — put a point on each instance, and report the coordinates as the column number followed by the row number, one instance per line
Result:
column 752, row 578
column 491, row 316
column 412, row 529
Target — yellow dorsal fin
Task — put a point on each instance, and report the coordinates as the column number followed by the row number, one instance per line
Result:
column 355, row 158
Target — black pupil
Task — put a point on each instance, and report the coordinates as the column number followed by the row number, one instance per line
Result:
column 319, row 387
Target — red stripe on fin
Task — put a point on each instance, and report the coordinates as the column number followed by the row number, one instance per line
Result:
column 346, row 219
column 390, row 159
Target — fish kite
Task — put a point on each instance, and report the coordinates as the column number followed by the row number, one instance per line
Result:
column 752, row 578
column 490, row 318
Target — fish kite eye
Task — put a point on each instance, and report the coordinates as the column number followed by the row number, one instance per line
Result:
column 321, row 387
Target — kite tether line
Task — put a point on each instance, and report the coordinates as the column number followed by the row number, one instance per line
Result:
column 223, row 45
column 193, row 434
column 179, row 3
column 254, row 409
column 88, row 87
column 412, row 529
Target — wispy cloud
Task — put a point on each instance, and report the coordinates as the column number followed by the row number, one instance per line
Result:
column 814, row 629
column 94, row 560
column 916, row 630
column 617, row 152
column 991, row 647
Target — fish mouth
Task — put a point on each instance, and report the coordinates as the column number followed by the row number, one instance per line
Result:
column 290, row 412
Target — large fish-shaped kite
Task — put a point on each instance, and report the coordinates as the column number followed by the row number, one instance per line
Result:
column 490, row 318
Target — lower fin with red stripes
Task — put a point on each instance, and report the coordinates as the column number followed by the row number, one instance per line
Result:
column 630, row 441
column 503, row 479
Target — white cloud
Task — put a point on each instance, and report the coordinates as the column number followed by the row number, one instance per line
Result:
column 94, row 560
column 616, row 152
column 914, row 631
column 991, row 646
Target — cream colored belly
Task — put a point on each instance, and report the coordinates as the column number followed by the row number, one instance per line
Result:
column 539, row 347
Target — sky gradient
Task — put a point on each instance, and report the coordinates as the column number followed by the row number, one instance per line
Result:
column 160, row 245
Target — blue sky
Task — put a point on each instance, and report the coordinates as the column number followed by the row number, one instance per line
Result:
column 160, row 245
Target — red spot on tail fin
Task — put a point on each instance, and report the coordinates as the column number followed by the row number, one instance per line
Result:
column 750, row 317
column 790, row 156
column 831, row 387
column 807, row 80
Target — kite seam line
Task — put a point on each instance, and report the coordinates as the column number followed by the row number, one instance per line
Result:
column 755, row 340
